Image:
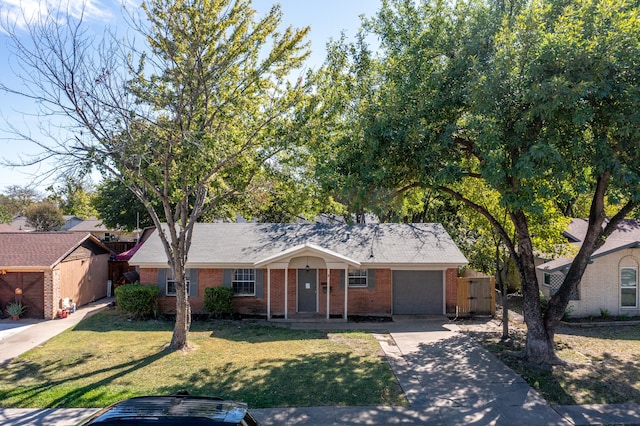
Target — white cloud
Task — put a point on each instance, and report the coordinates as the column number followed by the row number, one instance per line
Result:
column 20, row 12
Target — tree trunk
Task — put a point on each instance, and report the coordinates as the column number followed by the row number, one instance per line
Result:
column 179, row 341
column 505, row 311
column 539, row 344
column 503, row 295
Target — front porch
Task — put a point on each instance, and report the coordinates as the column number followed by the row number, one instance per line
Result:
column 308, row 295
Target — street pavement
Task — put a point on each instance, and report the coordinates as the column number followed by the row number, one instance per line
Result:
column 447, row 378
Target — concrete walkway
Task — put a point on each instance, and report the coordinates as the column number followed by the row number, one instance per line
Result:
column 448, row 380
column 18, row 337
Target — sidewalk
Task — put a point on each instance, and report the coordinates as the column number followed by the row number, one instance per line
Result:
column 17, row 337
column 448, row 380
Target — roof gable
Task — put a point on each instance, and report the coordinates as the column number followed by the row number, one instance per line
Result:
column 40, row 249
column 626, row 235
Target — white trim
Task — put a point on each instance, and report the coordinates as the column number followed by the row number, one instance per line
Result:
column 635, row 287
column 286, row 293
column 346, row 292
column 268, row 292
column 328, row 292
column 444, row 292
column 306, row 250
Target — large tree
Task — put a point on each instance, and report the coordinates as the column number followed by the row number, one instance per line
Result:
column 74, row 196
column 44, row 216
column 184, row 117
column 538, row 101
column 118, row 208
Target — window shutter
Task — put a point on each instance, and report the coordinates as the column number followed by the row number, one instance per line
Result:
column 371, row 279
column 162, row 282
column 259, row 283
column 193, row 283
column 227, row 277
column 342, row 279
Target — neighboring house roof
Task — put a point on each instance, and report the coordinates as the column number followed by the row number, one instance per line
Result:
column 256, row 244
column 40, row 250
column 70, row 221
column 626, row 235
column 19, row 223
column 90, row 224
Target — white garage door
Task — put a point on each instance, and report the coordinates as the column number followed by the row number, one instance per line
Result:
column 418, row 293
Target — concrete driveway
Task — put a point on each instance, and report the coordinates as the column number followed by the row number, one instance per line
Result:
column 445, row 373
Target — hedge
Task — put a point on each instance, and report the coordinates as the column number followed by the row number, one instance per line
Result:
column 139, row 300
column 218, row 300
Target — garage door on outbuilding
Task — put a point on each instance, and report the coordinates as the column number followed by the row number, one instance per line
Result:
column 418, row 292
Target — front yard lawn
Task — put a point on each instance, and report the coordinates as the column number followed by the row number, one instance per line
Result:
column 107, row 358
column 602, row 362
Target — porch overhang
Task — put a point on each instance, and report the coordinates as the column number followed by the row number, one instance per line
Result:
column 330, row 257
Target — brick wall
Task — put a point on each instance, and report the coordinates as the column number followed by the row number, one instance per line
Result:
column 51, row 293
column 451, row 297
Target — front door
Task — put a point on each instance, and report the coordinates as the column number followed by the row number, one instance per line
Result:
column 307, row 290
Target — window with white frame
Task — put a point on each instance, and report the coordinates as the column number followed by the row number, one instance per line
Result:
column 358, row 278
column 244, row 282
column 171, row 283
column 628, row 287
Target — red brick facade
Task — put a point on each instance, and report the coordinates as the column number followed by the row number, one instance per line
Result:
column 361, row 301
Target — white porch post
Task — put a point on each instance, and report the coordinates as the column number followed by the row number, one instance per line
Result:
column 268, row 292
column 346, row 291
column 328, row 292
column 286, row 292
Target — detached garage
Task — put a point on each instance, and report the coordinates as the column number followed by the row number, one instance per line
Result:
column 418, row 293
column 39, row 269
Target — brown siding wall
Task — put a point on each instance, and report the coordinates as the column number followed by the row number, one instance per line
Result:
column 83, row 279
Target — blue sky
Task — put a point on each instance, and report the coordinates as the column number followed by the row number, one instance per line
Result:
column 327, row 18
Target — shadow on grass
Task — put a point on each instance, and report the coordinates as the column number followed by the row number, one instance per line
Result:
column 233, row 330
column 614, row 332
column 604, row 379
column 313, row 380
column 67, row 396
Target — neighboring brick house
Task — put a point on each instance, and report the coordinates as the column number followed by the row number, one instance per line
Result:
column 610, row 282
column 284, row 270
column 46, row 267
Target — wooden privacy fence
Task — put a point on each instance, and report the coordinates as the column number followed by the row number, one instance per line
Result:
column 476, row 296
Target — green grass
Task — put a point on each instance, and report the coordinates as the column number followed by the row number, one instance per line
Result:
column 107, row 358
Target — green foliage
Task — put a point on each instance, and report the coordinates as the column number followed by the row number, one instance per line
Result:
column 139, row 300
column 119, row 208
column 15, row 309
column 74, row 197
column 218, row 300
column 44, row 216
column 5, row 216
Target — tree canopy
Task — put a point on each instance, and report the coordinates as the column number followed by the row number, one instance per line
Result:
column 513, row 109
column 185, row 120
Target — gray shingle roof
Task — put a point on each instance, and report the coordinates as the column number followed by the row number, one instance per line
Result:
column 219, row 244
column 626, row 235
